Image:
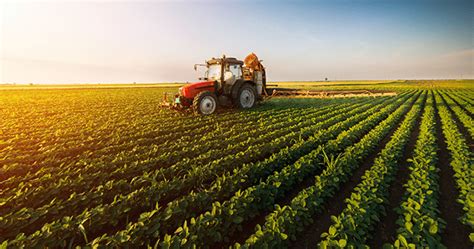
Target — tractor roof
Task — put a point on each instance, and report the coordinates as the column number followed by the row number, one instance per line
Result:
column 227, row 60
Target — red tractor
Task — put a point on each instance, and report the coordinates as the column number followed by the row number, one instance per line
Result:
column 227, row 82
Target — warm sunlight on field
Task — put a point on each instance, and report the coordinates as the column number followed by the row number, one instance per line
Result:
column 236, row 124
column 92, row 166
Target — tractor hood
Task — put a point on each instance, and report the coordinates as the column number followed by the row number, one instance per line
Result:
column 189, row 91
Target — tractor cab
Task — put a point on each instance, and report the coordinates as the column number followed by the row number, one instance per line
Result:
column 224, row 71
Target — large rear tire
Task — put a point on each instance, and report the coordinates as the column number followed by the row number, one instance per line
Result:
column 246, row 97
column 205, row 103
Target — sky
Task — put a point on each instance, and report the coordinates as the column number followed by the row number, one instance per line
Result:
column 160, row 41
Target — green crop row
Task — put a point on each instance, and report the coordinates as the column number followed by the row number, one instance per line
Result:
column 136, row 153
column 286, row 222
column 461, row 161
column 122, row 186
column 226, row 218
column 465, row 119
column 466, row 104
column 110, row 214
column 178, row 211
column 365, row 206
column 72, row 183
column 155, row 135
column 419, row 222
column 110, row 169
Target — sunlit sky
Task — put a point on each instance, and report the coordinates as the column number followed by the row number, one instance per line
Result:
column 160, row 41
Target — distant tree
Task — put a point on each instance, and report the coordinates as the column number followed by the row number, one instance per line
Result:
column 326, row 79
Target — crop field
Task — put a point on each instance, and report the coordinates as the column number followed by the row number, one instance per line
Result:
column 106, row 167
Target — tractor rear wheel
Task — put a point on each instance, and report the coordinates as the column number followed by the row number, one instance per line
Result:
column 246, row 97
column 205, row 103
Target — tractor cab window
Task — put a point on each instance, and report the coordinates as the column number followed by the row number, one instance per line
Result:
column 236, row 70
column 214, row 72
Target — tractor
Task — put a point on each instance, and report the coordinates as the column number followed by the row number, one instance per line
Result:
column 227, row 82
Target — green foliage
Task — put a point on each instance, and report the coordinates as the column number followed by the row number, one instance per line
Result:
column 310, row 200
column 462, row 160
column 419, row 221
column 365, row 205
column 99, row 168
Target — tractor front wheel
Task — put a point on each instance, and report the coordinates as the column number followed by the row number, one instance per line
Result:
column 205, row 103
